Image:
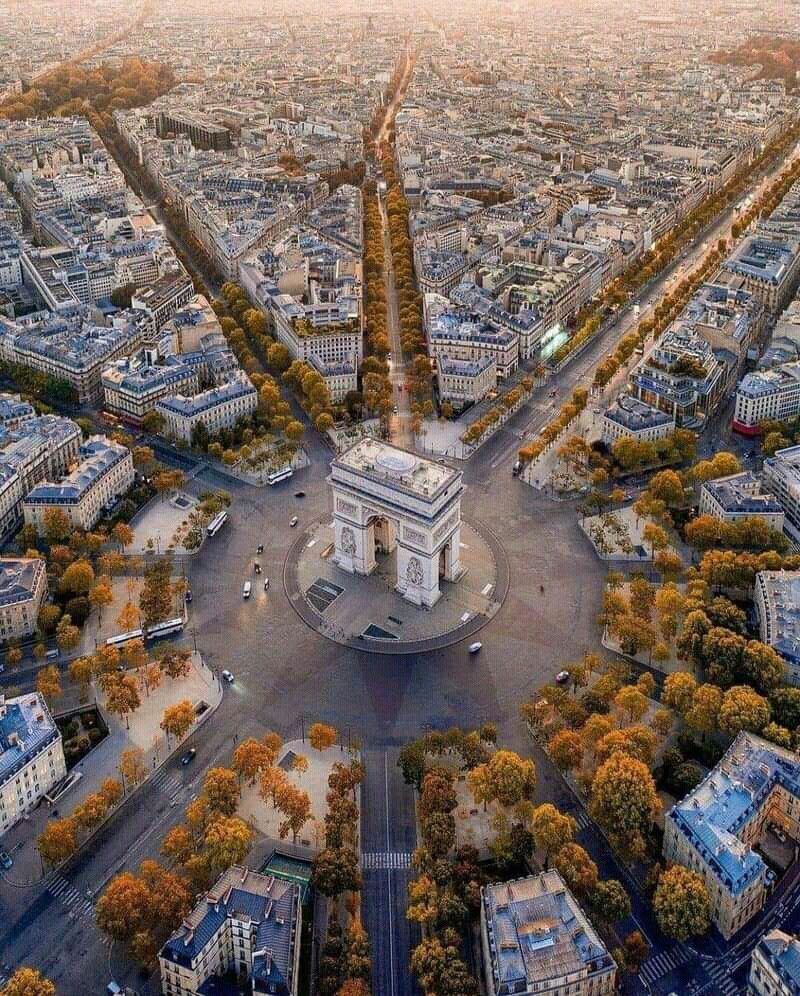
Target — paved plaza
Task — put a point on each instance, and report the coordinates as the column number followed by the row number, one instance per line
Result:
column 367, row 611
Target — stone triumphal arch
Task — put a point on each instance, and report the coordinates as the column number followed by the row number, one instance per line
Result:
column 388, row 501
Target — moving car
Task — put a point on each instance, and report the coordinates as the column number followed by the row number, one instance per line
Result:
column 475, row 647
column 5, row 860
column 293, row 521
column 396, row 410
column 562, row 677
column 189, row 597
column 257, row 567
column 228, row 676
column 188, row 757
column 299, row 494
column 247, row 588
column 260, row 548
column 266, row 584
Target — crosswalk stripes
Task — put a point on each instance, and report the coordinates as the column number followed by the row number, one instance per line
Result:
column 659, row 965
column 65, row 892
column 718, row 973
column 167, row 783
column 581, row 818
column 386, row 859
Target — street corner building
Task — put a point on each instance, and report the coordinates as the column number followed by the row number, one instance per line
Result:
column 31, row 756
column 537, row 939
column 715, row 829
column 246, row 925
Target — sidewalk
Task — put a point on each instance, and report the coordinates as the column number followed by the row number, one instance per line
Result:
column 101, row 763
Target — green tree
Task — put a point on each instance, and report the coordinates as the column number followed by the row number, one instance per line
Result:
column 743, row 709
column 551, row 829
column 610, row 901
column 624, row 800
column 681, row 903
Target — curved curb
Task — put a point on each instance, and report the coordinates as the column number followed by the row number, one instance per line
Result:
column 398, row 647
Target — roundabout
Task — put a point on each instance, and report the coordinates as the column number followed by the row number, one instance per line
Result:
column 367, row 611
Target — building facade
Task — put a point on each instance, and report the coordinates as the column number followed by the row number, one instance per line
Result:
column 23, row 589
column 248, row 924
column 386, row 499
column 714, row 830
column 104, row 474
column 217, row 408
column 31, row 756
column 775, row 966
column 738, row 496
column 536, row 939
column 465, row 382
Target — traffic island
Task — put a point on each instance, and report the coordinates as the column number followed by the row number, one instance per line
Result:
column 366, row 612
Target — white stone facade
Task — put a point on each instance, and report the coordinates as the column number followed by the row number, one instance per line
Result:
column 31, row 756
column 387, row 500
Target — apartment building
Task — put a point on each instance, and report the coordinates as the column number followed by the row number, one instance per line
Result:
column 769, row 268
column 104, row 474
column 14, row 412
column 465, row 382
column 775, row 965
column 683, row 376
column 714, row 830
column 738, row 496
column 31, row 756
column 320, row 318
column 536, row 939
column 248, row 924
column 439, row 270
column 630, row 418
column 74, row 350
column 163, row 298
column 341, row 377
column 202, row 131
column 766, row 395
column 781, row 473
column 461, row 335
column 777, row 603
column 217, row 408
column 133, row 385
column 23, row 588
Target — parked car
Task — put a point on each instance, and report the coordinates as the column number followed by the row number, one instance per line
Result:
column 257, row 567
column 228, row 676
column 246, row 589
column 299, row 494
column 189, row 597
column 293, row 521
column 266, row 584
column 475, row 647
column 562, row 677
column 5, row 860
column 189, row 756
column 260, row 548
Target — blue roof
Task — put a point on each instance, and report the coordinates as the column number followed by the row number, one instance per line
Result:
column 715, row 813
column 25, row 728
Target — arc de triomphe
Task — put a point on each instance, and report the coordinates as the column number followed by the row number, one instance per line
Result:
column 388, row 499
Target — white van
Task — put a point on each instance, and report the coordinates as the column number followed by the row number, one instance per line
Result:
column 246, row 589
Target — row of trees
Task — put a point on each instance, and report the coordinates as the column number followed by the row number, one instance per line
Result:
column 507, row 403
column 611, row 752
column 550, row 433
column 670, row 245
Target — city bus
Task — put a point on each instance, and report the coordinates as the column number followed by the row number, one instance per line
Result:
column 122, row 638
column 279, row 475
column 217, row 523
column 167, row 628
